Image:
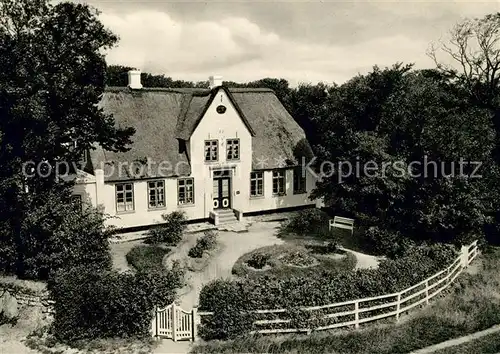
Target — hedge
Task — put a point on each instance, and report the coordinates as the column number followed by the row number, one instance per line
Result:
column 93, row 305
column 147, row 258
column 230, row 300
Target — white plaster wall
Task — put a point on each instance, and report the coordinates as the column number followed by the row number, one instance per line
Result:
column 142, row 215
column 268, row 201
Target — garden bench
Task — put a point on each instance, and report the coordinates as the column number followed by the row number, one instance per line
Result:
column 342, row 223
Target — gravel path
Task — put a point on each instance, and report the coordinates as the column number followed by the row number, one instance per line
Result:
column 363, row 260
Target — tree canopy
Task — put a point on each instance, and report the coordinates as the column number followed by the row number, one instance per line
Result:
column 415, row 124
column 53, row 69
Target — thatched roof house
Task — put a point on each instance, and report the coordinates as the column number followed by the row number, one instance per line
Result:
column 165, row 118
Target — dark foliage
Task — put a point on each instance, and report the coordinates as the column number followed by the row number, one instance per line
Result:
column 91, row 305
column 205, row 243
column 170, row 232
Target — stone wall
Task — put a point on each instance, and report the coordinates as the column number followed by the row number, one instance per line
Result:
column 16, row 294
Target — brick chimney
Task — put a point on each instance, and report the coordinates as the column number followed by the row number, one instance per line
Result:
column 215, row 81
column 134, row 79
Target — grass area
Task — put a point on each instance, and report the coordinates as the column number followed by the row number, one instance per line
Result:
column 144, row 258
column 292, row 259
column 484, row 345
column 313, row 225
column 47, row 344
column 472, row 304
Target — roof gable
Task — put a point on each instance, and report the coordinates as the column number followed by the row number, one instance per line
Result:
column 195, row 110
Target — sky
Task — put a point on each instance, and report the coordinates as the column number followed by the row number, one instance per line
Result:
column 301, row 41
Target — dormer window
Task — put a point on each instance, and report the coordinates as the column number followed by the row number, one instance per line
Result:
column 211, row 150
column 182, row 146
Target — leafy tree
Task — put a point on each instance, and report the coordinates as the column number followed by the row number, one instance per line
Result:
column 470, row 57
column 52, row 77
column 402, row 119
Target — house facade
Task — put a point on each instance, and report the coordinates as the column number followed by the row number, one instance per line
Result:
column 219, row 153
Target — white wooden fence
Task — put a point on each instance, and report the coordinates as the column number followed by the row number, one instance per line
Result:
column 358, row 311
column 174, row 323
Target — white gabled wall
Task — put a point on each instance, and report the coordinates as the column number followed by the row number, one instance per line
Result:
column 221, row 127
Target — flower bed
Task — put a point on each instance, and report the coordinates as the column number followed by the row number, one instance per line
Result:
column 292, row 260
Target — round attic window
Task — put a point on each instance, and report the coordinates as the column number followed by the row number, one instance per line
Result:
column 221, row 109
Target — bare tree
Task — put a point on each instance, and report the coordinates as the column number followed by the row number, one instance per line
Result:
column 473, row 58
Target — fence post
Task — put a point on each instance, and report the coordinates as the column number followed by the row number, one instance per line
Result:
column 356, row 315
column 154, row 324
column 194, row 322
column 398, row 307
column 174, row 322
column 427, row 292
column 465, row 256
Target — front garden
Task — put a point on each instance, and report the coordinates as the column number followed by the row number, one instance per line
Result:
column 297, row 274
column 472, row 304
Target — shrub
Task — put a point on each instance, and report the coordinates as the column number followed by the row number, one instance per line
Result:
column 92, row 305
column 327, row 248
column 80, row 240
column 231, row 319
column 308, row 222
column 259, row 260
column 145, row 258
column 207, row 242
column 51, row 235
column 381, row 241
column 170, row 232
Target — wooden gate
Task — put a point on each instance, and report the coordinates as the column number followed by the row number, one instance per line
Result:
column 175, row 323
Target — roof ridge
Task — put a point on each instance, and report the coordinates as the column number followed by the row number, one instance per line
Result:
column 192, row 90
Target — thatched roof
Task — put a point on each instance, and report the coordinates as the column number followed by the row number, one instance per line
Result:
column 163, row 117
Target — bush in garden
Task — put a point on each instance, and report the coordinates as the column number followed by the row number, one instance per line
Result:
column 205, row 243
column 259, row 260
column 379, row 241
column 231, row 300
column 231, row 318
column 79, row 239
column 92, row 305
column 169, row 232
column 144, row 258
column 307, row 222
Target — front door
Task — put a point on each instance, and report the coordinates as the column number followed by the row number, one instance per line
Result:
column 221, row 191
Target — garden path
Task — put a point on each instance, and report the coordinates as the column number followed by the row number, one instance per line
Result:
column 364, row 260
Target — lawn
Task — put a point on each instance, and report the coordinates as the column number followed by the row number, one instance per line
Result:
column 291, row 259
column 471, row 305
column 145, row 257
column 484, row 345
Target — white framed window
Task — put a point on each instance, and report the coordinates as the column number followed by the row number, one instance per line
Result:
column 156, row 194
column 299, row 181
column 279, row 182
column 124, row 197
column 232, row 149
column 256, row 184
column 211, row 150
column 185, row 191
